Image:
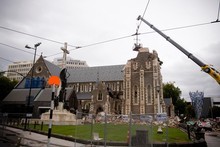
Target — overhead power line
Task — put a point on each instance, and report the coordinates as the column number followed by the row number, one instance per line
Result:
column 43, row 38
column 178, row 28
column 93, row 44
column 6, row 60
column 16, row 48
column 110, row 40
column 119, row 38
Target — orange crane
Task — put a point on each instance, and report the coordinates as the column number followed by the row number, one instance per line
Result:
column 206, row 68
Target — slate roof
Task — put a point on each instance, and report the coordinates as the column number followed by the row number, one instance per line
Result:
column 53, row 69
column 84, row 96
column 46, row 93
column 92, row 74
column 19, row 95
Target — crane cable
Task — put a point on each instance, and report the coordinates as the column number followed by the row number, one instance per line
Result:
column 217, row 14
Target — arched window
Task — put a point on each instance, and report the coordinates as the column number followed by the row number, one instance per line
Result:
column 135, row 94
column 149, row 93
column 100, row 96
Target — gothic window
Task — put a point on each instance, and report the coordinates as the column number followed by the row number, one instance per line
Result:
column 149, row 93
column 90, row 87
column 78, row 89
column 127, row 71
column 135, row 94
column 100, row 96
column 113, row 86
column 82, row 88
column 135, row 65
column 87, row 106
column 155, row 69
column 148, row 64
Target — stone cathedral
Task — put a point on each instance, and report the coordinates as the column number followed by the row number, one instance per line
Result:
column 117, row 89
column 143, row 84
column 134, row 87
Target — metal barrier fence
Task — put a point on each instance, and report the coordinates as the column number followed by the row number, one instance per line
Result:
column 135, row 129
column 105, row 129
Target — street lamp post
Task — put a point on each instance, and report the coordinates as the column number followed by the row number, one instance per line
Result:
column 159, row 130
column 32, row 73
column 158, row 98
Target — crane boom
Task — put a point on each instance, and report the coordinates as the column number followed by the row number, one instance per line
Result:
column 206, row 68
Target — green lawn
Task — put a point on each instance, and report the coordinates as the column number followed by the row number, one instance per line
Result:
column 117, row 132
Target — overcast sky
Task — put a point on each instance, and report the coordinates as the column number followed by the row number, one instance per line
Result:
column 87, row 22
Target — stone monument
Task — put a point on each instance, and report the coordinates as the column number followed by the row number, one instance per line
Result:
column 60, row 115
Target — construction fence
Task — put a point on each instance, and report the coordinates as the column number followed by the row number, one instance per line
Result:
column 101, row 129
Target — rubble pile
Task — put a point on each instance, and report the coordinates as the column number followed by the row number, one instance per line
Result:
column 174, row 122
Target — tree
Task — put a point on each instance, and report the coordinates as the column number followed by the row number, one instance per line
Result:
column 6, row 85
column 190, row 112
column 170, row 91
column 180, row 106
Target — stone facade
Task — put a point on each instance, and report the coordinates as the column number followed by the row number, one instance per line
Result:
column 141, row 77
column 119, row 89
column 136, row 92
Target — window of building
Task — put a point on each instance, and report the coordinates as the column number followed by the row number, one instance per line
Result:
column 155, row 69
column 149, row 94
column 100, row 96
column 135, row 94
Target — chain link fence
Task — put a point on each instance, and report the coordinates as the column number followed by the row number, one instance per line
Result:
column 103, row 129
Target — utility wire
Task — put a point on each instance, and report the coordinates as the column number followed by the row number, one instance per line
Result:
column 6, row 60
column 43, row 38
column 178, row 28
column 119, row 38
column 17, row 48
column 93, row 44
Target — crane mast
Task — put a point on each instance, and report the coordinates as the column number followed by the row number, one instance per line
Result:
column 206, row 68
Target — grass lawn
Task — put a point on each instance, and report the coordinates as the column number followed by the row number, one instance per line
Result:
column 117, row 132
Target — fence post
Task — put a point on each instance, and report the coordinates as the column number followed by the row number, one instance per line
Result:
column 105, row 130
column 42, row 124
column 91, row 127
column 75, row 132
column 130, row 129
column 35, row 124
column 188, row 132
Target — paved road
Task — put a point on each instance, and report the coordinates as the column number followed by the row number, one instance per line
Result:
column 31, row 139
column 212, row 139
column 11, row 137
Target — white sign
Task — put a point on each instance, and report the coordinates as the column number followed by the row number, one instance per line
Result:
column 28, row 115
column 146, row 118
column 162, row 117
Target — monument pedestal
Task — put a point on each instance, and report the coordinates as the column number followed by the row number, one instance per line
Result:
column 61, row 117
